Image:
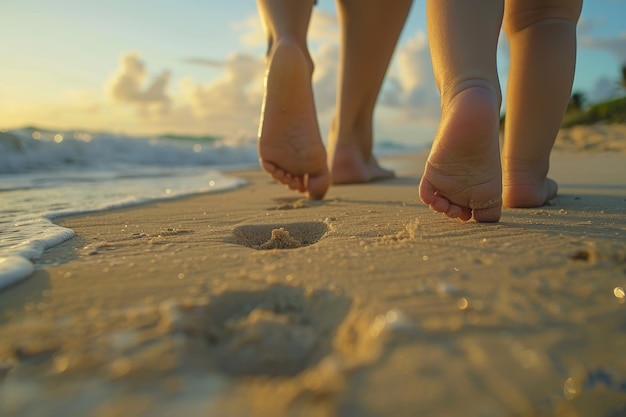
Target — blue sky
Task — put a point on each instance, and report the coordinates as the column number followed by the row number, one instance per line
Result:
column 196, row 66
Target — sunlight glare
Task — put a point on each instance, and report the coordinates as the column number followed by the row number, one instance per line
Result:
column 85, row 137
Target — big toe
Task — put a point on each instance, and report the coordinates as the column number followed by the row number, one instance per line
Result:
column 318, row 184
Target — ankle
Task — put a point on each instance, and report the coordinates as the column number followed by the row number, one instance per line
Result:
column 480, row 86
column 287, row 39
column 524, row 171
column 352, row 136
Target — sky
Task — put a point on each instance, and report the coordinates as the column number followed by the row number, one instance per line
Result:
column 196, row 66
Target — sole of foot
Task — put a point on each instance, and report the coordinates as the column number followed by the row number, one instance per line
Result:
column 463, row 174
column 290, row 145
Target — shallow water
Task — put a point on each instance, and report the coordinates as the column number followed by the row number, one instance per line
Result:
column 45, row 175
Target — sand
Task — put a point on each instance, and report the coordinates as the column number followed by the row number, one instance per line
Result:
column 256, row 302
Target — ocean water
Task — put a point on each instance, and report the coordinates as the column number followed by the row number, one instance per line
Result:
column 48, row 174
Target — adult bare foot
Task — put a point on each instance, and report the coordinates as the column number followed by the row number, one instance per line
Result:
column 290, row 144
column 351, row 161
column 463, row 175
column 349, row 166
column 526, row 185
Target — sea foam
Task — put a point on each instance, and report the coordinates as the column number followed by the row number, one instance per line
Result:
column 45, row 175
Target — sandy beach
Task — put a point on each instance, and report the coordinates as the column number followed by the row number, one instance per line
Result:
column 257, row 302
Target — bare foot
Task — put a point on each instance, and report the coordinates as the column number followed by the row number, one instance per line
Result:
column 351, row 160
column 290, row 144
column 349, row 166
column 526, row 184
column 463, row 173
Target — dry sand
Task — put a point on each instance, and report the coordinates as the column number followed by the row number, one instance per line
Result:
column 255, row 302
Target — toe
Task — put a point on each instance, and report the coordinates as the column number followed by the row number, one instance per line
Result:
column 466, row 214
column 294, row 183
column 427, row 192
column 317, row 185
column 458, row 212
column 269, row 167
column 298, row 183
column 487, row 215
column 454, row 211
column 440, row 204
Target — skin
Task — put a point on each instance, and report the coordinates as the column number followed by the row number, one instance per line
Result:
column 363, row 61
column 290, row 144
column 291, row 149
column 465, row 176
column 548, row 32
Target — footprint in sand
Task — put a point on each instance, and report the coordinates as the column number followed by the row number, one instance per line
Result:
column 279, row 236
column 279, row 331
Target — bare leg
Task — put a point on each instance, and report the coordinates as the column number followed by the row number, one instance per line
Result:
column 370, row 30
column 290, row 144
column 463, row 176
column 542, row 35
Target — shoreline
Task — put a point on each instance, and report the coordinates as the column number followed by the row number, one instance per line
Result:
column 369, row 298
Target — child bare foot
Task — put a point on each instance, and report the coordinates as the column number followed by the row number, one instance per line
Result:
column 526, row 185
column 290, row 144
column 463, row 173
column 350, row 164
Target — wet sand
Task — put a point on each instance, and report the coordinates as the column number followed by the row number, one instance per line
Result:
column 256, row 302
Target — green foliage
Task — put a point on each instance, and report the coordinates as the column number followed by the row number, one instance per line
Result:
column 579, row 113
column 611, row 111
column 576, row 102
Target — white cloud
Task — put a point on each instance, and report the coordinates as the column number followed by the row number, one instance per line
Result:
column 126, row 86
column 229, row 105
column 234, row 99
column 324, row 27
column 409, row 89
column 325, row 76
column 412, row 86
